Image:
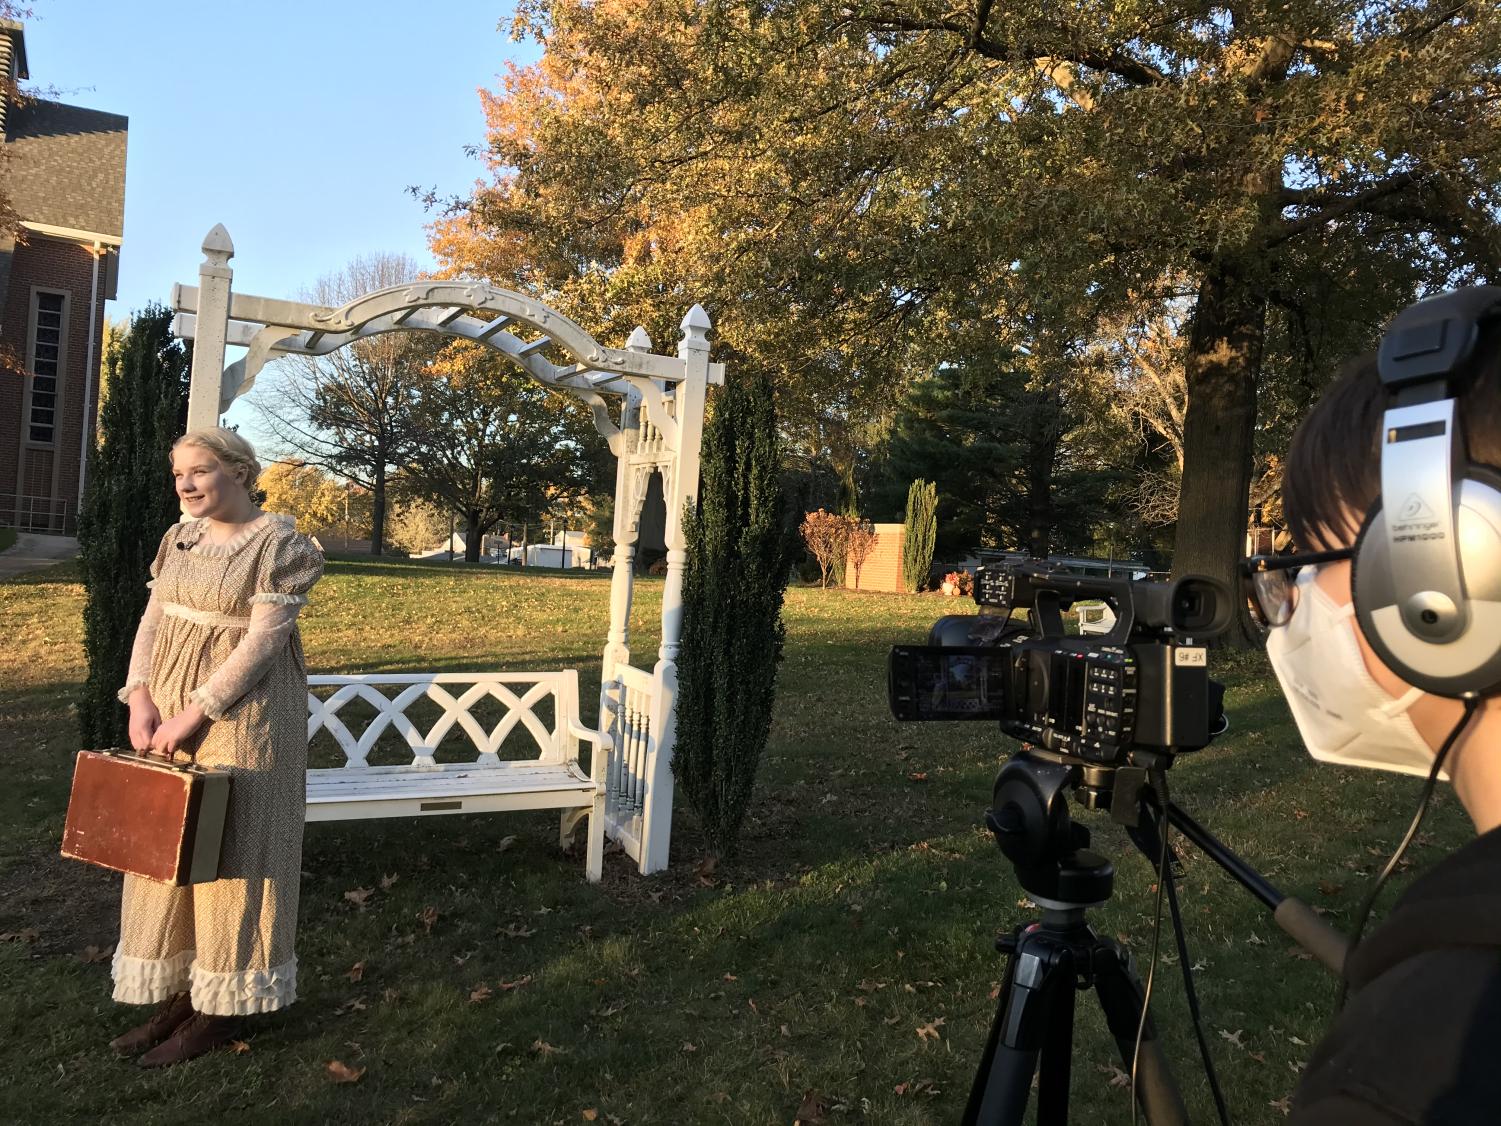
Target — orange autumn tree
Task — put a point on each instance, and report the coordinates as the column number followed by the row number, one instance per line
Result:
column 586, row 206
column 861, row 542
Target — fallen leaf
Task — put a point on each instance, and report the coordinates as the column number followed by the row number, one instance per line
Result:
column 429, row 916
column 918, row 776
column 359, row 897
column 1118, row 1077
column 1233, row 1038
column 811, row 1110
column 353, row 1005
column 481, row 992
column 1256, row 940
column 341, row 1072
column 1330, row 888
column 388, row 882
column 1284, row 1104
column 93, row 954
column 1301, row 1043
column 25, row 934
column 690, row 1047
column 543, row 1048
column 930, row 1031
column 239, row 1047
column 730, row 977
column 356, row 972
column 704, row 870
column 504, row 843
column 516, row 930
column 589, row 1115
column 507, row 986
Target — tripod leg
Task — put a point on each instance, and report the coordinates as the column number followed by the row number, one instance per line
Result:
column 1028, row 1016
column 1057, row 1049
column 1121, row 997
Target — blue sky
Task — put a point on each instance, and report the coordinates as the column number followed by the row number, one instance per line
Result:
column 298, row 126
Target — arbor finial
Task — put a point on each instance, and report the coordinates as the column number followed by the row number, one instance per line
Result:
column 696, row 329
column 218, row 247
column 639, row 340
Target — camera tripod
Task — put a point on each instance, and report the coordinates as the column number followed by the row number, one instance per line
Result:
column 1049, row 959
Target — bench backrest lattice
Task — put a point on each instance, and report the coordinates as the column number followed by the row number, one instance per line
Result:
column 455, row 694
column 649, row 408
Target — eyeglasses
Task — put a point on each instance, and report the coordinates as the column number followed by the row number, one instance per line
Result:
column 1270, row 582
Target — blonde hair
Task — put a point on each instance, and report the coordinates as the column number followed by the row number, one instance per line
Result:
column 232, row 451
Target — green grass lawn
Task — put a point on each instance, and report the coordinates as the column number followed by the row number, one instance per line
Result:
column 844, row 961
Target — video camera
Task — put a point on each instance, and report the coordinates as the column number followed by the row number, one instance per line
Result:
column 1144, row 684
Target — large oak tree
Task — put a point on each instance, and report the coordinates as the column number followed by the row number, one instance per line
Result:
column 845, row 178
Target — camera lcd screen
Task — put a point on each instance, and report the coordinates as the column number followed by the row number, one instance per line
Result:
column 941, row 682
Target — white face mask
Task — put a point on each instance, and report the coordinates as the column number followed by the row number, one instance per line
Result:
column 1343, row 715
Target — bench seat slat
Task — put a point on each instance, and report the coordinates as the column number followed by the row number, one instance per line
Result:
column 339, row 784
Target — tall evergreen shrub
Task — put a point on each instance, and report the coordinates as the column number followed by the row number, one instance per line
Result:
column 737, row 569
column 127, row 506
column 921, row 534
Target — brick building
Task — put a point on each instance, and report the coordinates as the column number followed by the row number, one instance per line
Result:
column 63, row 170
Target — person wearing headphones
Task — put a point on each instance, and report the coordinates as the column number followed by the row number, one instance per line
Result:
column 1385, row 635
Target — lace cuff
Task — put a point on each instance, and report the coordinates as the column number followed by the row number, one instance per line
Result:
column 140, row 653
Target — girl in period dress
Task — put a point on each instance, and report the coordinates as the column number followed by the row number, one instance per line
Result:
column 217, row 672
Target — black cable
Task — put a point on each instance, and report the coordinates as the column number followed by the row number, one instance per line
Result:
column 1193, row 1004
column 1159, row 783
column 1366, row 906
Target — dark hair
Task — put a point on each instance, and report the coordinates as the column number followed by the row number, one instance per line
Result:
column 1333, row 470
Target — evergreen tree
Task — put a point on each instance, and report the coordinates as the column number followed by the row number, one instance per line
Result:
column 921, row 534
column 128, row 504
column 732, row 610
column 997, row 444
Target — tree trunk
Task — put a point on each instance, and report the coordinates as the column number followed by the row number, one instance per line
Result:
column 1222, row 368
column 1042, row 459
column 472, row 536
column 378, row 512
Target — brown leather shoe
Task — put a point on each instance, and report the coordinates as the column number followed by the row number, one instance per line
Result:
column 169, row 1014
column 199, row 1034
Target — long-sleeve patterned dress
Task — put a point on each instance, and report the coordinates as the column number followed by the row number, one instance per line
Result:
column 220, row 630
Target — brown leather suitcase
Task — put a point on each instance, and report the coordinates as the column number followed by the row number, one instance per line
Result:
column 146, row 816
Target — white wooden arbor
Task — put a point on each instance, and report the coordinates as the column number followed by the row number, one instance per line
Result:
column 650, row 409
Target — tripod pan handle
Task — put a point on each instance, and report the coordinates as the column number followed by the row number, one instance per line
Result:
column 1303, row 924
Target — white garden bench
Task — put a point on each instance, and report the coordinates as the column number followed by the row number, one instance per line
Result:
column 555, row 779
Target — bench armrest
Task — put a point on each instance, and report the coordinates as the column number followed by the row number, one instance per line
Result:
column 603, row 744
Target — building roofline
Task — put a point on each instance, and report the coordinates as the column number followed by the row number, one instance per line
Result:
column 17, row 32
column 71, row 234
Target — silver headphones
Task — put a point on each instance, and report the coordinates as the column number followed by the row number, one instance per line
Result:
column 1427, row 576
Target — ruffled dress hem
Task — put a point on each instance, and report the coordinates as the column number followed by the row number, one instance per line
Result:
column 149, row 981
column 246, row 992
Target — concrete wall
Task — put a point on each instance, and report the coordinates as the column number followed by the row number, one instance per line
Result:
column 28, row 468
